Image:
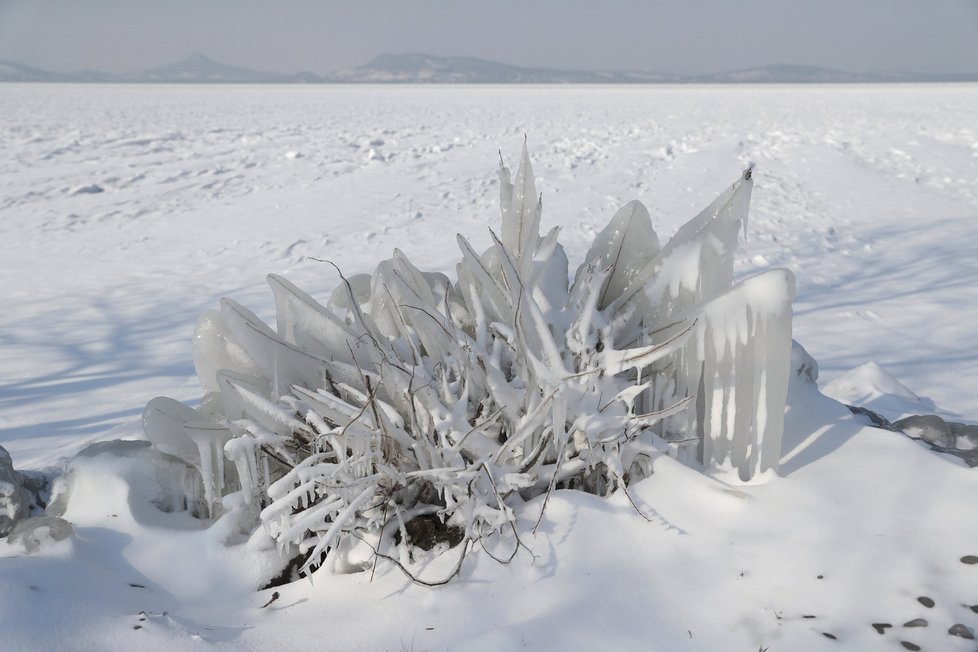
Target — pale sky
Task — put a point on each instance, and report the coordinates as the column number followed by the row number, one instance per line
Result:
column 677, row 36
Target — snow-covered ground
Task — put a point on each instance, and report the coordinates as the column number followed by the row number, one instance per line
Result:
column 125, row 212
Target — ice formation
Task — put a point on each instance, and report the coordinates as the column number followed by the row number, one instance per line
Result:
column 14, row 500
column 410, row 394
column 149, row 480
column 34, row 532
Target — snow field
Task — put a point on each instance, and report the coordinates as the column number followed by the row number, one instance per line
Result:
column 125, row 212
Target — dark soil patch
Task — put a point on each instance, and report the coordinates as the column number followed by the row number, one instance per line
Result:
column 288, row 575
column 427, row 531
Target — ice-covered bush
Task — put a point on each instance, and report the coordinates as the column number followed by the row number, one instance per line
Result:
column 409, row 394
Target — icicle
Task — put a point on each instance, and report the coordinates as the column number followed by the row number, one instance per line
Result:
column 739, row 360
column 210, row 439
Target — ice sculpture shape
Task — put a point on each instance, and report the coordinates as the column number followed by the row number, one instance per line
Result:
column 410, row 394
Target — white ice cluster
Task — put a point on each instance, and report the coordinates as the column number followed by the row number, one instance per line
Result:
column 410, row 394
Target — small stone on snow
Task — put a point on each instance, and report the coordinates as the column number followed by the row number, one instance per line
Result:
column 960, row 630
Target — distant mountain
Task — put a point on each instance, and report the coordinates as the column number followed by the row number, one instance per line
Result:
column 428, row 69
column 199, row 69
column 795, row 74
column 14, row 72
column 195, row 69
column 782, row 74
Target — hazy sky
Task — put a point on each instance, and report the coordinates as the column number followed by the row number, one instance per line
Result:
column 681, row 36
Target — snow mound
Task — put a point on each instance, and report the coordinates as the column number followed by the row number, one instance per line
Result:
column 870, row 386
column 132, row 480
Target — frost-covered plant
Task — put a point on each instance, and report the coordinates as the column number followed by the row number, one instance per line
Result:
column 409, row 394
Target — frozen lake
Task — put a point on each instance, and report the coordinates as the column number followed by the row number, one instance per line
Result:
column 125, row 211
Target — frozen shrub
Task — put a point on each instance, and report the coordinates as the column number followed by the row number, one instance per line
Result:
column 412, row 395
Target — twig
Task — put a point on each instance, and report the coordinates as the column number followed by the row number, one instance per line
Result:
column 552, row 484
column 502, row 507
column 662, row 521
column 414, row 578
